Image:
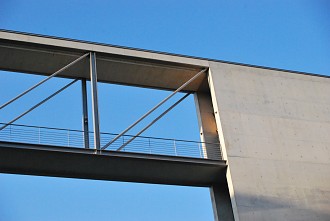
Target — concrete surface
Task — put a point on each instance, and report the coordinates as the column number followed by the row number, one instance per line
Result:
column 274, row 128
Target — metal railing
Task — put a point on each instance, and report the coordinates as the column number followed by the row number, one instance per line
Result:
column 141, row 144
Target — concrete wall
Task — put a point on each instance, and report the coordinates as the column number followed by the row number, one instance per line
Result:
column 274, row 128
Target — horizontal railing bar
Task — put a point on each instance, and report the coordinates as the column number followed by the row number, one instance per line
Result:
column 19, row 133
column 107, row 133
column 76, row 139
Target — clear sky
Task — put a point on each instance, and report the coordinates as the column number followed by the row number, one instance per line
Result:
column 291, row 35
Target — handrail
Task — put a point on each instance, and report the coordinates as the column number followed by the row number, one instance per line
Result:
column 142, row 144
column 108, row 133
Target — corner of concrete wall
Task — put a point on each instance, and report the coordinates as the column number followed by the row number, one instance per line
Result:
column 213, row 67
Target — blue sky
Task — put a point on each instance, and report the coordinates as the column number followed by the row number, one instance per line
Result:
column 291, row 35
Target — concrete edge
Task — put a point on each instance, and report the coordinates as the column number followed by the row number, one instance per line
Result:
column 223, row 146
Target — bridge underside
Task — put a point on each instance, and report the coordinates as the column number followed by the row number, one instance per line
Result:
column 44, row 56
column 42, row 160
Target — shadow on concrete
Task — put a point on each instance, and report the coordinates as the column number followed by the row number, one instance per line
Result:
column 252, row 207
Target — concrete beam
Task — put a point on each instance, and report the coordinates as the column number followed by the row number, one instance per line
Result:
column 44, row 55
column 55, row 161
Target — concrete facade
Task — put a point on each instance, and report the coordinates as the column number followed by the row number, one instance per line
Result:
column 274, row 128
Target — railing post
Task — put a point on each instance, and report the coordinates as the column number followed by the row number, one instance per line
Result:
column 39, row 135
column 68, row 138
column 123, row 140
column 149, row 146
column 10, row 132
column 176, row 154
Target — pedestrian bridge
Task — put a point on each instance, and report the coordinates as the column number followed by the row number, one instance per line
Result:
column 93, row 154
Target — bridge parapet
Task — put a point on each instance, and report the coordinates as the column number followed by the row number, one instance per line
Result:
column 75, row 139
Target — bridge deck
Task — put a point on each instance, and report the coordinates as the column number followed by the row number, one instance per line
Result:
column 43, row 160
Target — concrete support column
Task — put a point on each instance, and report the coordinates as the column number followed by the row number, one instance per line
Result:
column 221, row 202
column 220, row 196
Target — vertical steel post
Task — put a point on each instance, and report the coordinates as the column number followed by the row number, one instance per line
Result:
column 39, row 135
column 176, row 153
column 68, row 138
column 149, row 146
column 85, row 113
column 10, row 132
column 96, row 121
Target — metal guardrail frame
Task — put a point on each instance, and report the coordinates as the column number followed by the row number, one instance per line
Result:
column 75, row 139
